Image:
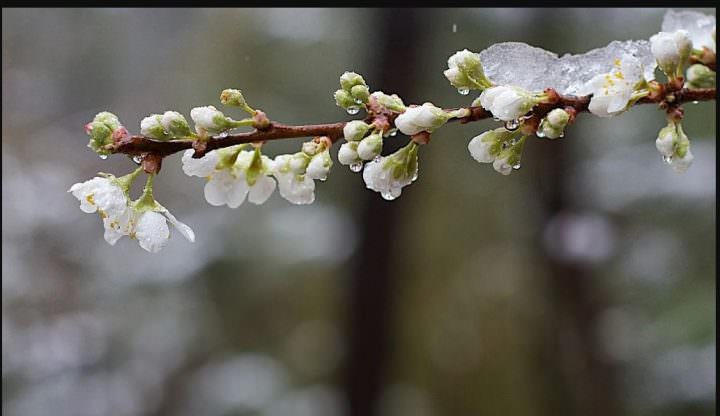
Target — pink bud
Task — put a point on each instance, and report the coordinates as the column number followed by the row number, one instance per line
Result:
column 88, row 128
column 119, row 133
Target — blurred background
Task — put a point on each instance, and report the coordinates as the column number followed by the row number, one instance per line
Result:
column 582, row 284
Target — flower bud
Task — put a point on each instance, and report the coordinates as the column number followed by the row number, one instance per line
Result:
column 370, row 146
column 175, row 124
column 210, row 119
column 151, row 126
column 348, row 155
column 360, row 93
column 104, row 127
column 466, row 72
column 507, row 102
column 233, row 97
column 553, row 125
column 665, row 142
column 355, row 130
column 391, row 102
column 351, row 79
column 700, row 76
column 671, row 50
column 310, row 148
column 426, row 117
column 486, row 146
column 343, row 99
column 109, row 119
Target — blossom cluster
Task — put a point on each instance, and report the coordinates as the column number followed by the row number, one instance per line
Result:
column 234, row 174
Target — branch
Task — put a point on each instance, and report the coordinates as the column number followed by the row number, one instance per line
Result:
column 140, row 145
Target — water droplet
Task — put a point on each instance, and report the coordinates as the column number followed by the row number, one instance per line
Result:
column 356, row 167
column 504, row 145
column 668, row 159
column 516, row 166
column 454, row 28
column 137, row 159
column 464, row 91
column 223, row 134
column 695, row 102
column 393, row 132
column 512, row 125
column 103, row 157
column 562, row 134
column 352, row 110
column 415, row 176
column 540, row 133
column 496, row 119
column 358, row 101
column 377, row 159
column 388, row 196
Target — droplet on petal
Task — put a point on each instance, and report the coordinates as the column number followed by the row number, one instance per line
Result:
column 668, row 159
column 377, row 159
column 540, row 133
column 516, row 166
column 463, row 91
column 388, row 196
column 137, row 159
column 352, row 110
column 103, row 157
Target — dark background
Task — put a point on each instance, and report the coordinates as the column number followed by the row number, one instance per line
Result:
column 582, row 284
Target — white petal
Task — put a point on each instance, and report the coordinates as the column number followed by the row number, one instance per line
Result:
column 218, row 188
column 480, row 150
column 185, row 230
column 237, row 192
column 202, row 167
column 152, row 231
column 261, row 191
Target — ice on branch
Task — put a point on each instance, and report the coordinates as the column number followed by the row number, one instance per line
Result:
column 699, row 27
column 534, row 69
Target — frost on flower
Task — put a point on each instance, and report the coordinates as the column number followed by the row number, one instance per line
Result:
column 699, row 27
column 613, row 91
column 426, row 117
column 209, row 119
column 233, row 175
column 534, row 69
column 388, row 175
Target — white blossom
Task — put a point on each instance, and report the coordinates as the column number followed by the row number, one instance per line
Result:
column 202, row 167
column 150, row 229
column 388, row 175
column 671, row 49
column 681, row 164
column 612, row 91
column 319, row 166
column 107, row 198
column 507, row 102
column 426, row 117
column 296, row 188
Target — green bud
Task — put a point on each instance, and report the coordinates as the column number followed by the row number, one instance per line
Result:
column 351, row 79
column 343, row 99
column 361, row 93
column 700, row 76
column 175, row 124
column 391, row 102
column 355, row 130
column 233, row 97
column 109, row 119
column 100, row 135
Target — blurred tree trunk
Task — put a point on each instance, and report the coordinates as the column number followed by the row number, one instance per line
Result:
column 371, row 305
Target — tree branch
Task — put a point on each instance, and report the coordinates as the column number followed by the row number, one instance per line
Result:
column 140, row 145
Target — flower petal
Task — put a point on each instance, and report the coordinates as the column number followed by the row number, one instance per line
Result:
column 152, row 231
column 261, row 191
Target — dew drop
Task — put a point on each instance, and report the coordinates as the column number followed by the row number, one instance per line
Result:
column 562, row 134
column 377, row 159
column 540, row 133
column 695, row 102
column 516, row 166
column 356, row 167
column 358, row 101
column 512, row 125
column 668, row 159
column 393, row 132
column 137, row 159
column 388, row 196
column 103, row 157
column 496, row 119
column 415, row 176
column 223, row 134
column 352, row 110
column 463, row 91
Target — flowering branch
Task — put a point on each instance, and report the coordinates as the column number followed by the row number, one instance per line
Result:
column 531, row 100
column 140, row 145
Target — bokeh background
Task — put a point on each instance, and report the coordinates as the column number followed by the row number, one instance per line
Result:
column 582, row 284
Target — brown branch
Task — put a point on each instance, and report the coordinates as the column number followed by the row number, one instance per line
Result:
column 140, row 145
